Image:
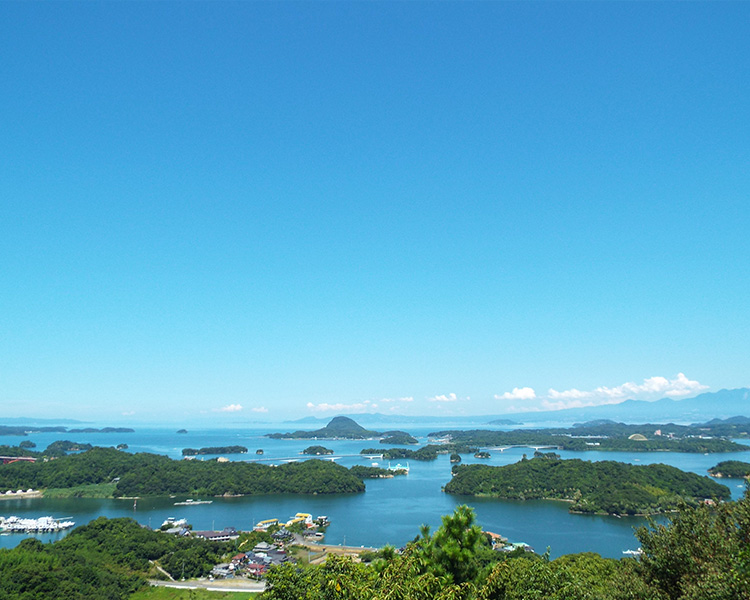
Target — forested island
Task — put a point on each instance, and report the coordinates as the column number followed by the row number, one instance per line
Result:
column 317, row 450
column 339, row 428
column 398, row 437
column 428, row 452
column 24, row 430
column 102, row 430
column 605, row 487
column 110, row 472
column 364, row 472
column 731, row 468
column 602, row 435
column 214, row 450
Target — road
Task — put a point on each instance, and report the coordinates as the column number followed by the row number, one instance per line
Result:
column 223, row 585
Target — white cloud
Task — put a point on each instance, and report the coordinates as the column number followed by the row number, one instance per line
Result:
column 524, row 393
column 404, row 399
column 443, row 398
column 229, row 408
column 652, row 388
column 568, row 394
column 259, row 409
column 128, row 413
column 357, row 407
column 682, row 386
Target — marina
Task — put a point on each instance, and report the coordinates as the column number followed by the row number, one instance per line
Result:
column 15, row 524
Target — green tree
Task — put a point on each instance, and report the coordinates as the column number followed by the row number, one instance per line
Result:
column 703, row 553
column 454, row 549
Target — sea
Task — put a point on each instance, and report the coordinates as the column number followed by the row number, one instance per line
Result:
column 390, row 511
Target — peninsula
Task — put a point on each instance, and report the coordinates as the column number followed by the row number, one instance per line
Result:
column 605, row 487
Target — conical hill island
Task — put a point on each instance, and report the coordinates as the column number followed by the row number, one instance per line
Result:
column 339, row 428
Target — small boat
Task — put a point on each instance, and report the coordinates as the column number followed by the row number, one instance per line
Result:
column 191, row 502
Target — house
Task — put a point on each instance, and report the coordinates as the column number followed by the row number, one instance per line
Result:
column 263, row 547
column 255, row 569
column 222, row 570
column 229, row 533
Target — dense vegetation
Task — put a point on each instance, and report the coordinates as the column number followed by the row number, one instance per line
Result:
column 62, row 447
column 155, row 475
column 592, row 487
column 104, row 559
column 337, row 428
column 399, row 438
column 102, row 430
column 26, row 429
column 730, row 468
column 428, row 452
column 317, row 450
column 214, row 450
column 17, row 451
column 703, row 553
column 374, row 472
column 602, row 436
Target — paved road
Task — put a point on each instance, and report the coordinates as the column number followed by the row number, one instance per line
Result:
column 224, row 585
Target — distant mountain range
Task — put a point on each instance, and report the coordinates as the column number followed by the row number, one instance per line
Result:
column 704, row 407
column 723, row 404
column 383, row 419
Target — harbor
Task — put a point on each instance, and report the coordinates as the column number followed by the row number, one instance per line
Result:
column 14, row 524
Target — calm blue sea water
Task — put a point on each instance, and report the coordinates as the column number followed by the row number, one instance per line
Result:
column 389, row 512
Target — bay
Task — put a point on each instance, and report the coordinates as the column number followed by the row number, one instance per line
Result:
column 390, row 511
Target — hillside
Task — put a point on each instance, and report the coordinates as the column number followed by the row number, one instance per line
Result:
column 592, row 487
column 338, row 428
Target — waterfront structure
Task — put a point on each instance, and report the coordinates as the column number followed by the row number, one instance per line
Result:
column 41, row 525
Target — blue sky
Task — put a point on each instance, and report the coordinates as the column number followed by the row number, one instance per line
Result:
column 236, row 211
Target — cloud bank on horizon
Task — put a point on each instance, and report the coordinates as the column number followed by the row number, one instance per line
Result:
column 526, row 399
column 652, row 388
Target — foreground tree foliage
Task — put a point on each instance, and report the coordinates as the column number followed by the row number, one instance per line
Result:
column 703, row 553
